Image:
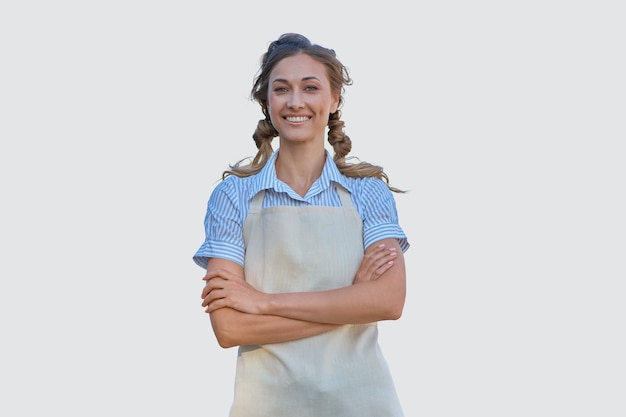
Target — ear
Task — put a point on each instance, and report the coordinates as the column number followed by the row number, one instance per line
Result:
column 334, row 104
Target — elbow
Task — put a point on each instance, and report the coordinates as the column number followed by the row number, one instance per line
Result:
column 394, row 313
column 390, row 296
column 394, row 308
column 223, row 330
column 224, row 339
column 225, row 343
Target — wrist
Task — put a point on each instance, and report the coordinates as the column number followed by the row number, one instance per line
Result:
column 269, row 306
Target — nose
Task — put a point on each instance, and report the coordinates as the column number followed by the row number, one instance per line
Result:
column 296, row 100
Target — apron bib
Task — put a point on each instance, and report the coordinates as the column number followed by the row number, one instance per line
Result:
column 341, row 373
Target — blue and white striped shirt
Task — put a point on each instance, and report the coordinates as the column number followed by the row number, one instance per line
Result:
column 229, row 202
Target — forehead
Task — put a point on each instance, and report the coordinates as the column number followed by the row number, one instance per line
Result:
column 298, row 67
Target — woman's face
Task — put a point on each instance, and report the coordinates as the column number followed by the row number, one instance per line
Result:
column 300, row 99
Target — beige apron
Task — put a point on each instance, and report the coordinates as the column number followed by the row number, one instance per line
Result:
column 341, row 373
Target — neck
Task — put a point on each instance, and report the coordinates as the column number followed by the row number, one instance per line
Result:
column 300, row 170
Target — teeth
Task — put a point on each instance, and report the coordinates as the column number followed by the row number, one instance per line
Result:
column 297, row 119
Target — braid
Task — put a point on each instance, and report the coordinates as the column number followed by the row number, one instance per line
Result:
column 342, row 145
column 265, row 131
column 263, row 136
column 337, row 138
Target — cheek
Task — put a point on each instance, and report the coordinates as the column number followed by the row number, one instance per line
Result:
column 270, row 107
column 273, row 104
column 272, row 111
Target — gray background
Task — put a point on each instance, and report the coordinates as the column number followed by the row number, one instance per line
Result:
column 505, row 120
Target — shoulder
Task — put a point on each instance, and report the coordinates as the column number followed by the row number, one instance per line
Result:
column 368, row 189
column 234, row 191
column 379, row 212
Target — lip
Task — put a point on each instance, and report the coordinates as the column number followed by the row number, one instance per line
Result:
column 297, row 118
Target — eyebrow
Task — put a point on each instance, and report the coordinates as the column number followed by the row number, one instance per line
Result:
column 282, row 80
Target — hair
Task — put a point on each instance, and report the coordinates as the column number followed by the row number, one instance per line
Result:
column 287, row 45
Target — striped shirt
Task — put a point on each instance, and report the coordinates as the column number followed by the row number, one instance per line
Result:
column 228, row 205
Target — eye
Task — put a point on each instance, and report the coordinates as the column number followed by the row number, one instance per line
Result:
column 311, row 88
column 280, row 89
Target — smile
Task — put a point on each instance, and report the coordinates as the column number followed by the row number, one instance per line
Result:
column 297, row 119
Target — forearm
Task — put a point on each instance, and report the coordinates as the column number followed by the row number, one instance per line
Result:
column 234, row 328
column 368, row 300
column 378, row 293
column 360, row 303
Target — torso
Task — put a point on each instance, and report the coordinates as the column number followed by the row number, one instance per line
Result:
column 339, row 373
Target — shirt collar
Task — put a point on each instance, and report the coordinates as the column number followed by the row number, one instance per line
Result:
column 267, row 179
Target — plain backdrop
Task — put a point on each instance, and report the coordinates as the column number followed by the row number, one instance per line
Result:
column 504, row 120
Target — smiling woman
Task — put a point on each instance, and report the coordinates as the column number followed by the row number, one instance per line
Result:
column 299, row 102
column 299, row 248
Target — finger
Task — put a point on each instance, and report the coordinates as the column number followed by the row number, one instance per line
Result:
column 384, row 268
column 212, row 273
column 215, row 305
column 387, row 260
column 206, row 290
column 378, row 268
column 384, row 253
column 375, row 252
column 379, row 259
column 213, row 284
column 211, row 297
column 376, row 248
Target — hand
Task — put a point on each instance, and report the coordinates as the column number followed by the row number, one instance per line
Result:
column 226, row 289
column 376, row 261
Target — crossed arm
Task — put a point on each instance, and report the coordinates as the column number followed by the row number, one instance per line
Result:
column 242, row 315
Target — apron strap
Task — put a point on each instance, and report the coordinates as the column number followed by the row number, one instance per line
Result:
column 257, row 202
column 344, row 195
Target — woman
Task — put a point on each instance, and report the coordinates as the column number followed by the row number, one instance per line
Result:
column 304, row 253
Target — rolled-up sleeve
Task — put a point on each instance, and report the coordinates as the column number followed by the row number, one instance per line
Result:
column 223, row 226
column 380, row 215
